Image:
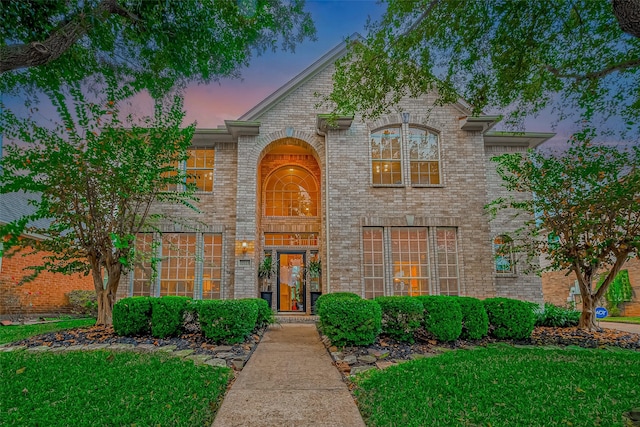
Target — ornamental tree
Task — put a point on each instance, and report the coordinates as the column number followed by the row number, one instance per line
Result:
column 518, row 56
column 92, row 176
column 152, row 43
column 585, row 212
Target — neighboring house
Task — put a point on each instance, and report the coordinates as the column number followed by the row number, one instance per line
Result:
column 561, row 288
column 47, row 293
column 392, row 206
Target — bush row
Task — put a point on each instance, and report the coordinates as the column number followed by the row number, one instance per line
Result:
column 348, row 319
column 224, row 321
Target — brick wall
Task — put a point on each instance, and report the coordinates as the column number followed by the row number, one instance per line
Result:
column 46, row 294
column 556, row 284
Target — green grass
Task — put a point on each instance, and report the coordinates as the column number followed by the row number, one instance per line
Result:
column 635, row 320
column 504, row 386
column 18, row 332
column 102, row 388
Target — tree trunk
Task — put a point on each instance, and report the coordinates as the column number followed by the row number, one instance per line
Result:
column 105, row 307
column 588, row 316
column 106, row 293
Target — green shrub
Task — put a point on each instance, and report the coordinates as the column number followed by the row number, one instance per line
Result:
column 475, row 322
column 83, row 302
column 265, row 314
column 332, row 296
column 401, row 316
column 509, row 318
column 167, row 315
column 442, row 316
column 557, row 317
column 132, row 316
column 350, row 321
column 227, row 321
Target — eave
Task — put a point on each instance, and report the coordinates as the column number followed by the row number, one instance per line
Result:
column 518, row 139
column 478, row 123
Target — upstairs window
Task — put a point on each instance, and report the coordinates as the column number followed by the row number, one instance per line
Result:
column 291, row 191
column 386, row 158
column 424, row 157
column 199, row 169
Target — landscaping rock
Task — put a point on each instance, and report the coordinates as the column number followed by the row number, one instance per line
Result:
column 416, row 356
column 216, row 362
column 167, row 348
column 384, row 364
column 237, row 364
column 227, row 355
column 222, row 349
column 94, row 346
column 146, row 347
column 350, row 360
column 336, row 355
column 378, row 353
column 367, row 359
column 359, row 369
column 198, row 359
column 183, row 353
column 121, row 346
column 38, row 349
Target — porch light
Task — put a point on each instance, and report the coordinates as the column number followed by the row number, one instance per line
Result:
column 244, row 247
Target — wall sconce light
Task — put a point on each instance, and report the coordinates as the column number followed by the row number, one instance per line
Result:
column 405, row 117
column 244, row 247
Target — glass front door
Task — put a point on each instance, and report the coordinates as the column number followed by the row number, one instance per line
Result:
column 291, row 281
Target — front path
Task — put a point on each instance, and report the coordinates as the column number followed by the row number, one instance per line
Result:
column 289, row 381
column 626, row 327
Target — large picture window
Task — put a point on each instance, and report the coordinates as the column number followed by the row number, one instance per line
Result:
column 386, row 158
column 291, row 191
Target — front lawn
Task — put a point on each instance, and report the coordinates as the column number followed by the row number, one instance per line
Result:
column 635, row 320
column 504, row 386
column 103, row 388
column 13, row 333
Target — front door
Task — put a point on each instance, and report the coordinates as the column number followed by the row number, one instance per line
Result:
column 291, row 281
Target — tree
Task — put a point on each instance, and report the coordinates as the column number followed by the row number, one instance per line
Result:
column 518, row 56
column 152, row 42
column 585, row 212
column 93, row 177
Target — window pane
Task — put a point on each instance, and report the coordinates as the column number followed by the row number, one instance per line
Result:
column 372, row 259
column 410, row 256
column 211, row 266
column 291, row 191
column 143, row 273
column 386, row 151
column 200, row 169
column 504, row 256
column 424, row 157
column 447, row 256
column 178, row 264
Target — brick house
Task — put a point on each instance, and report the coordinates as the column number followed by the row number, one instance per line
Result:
column 389, row 207
column 46, row 294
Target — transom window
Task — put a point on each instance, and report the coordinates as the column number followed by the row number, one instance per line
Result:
column 290, row 239
column 388, row 147
column 291, row 191
column 386, row 156
column 504, row 257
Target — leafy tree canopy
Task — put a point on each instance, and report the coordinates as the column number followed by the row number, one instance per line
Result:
column 150, row 43
column 585, row 212
column 92, row 177
column 517, row 55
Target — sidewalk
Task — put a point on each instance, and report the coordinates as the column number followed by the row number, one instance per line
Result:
column 625, row 327
column 289, row 381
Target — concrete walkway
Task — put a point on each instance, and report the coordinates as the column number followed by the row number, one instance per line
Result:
column 289, row 381
column 626, row 327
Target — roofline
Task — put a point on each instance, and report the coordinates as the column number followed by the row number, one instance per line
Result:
column 311, row 71
column 478, row 123
column 523, row 139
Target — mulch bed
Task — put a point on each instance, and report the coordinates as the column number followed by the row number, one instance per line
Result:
column 106, row 335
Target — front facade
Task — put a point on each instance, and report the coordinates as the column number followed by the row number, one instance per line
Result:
column 386, row 207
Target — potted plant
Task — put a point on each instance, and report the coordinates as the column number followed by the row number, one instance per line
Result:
column 266, row 269
column 315, row 270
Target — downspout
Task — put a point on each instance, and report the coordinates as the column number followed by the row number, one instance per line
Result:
column 327, row 222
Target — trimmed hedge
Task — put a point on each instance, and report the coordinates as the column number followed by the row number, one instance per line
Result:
column 509, row 318
column 557, row 317
column 349, row 320
column 167, row 315
column 132, row 316
column 442, row 316
column 265, row 314
column 227, row 321
column 333, row 296
column 475, row 322
column 401, row 316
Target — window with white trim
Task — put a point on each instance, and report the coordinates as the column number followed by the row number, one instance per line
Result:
column 424, row 157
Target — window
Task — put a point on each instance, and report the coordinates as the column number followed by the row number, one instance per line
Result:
column 447, row 259
column 143, row 273
column 424, row 157
column 373, row 262
column 386, row 156
column 286, row 239
column 504, row 257
column 189, row 264
column 410, row 257
column 197, row 170
column 200, row 169
column 291, row 191
column 422, row 151
column 177, row 275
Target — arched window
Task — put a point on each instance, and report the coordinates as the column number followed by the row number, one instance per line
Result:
column 424, row 157
column 386, row 156
column 504, row 257
column 291, row 191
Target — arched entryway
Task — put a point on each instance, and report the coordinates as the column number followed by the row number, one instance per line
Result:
column 290, row 223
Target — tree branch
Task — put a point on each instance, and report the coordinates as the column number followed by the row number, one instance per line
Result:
column 596, row 74
column 36, row 53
